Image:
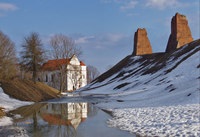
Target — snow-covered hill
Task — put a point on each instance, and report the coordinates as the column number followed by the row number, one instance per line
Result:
column 152, row 80
column 153, row 95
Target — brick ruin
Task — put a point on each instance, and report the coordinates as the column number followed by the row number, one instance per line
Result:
column 180, row 33
column 141, row 43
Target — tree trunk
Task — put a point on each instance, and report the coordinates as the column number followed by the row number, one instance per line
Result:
column 34, row 73
column 62, row 82
column 35, row 123
column 34, row 70
column 34, row 76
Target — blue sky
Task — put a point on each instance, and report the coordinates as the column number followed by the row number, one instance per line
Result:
column 104, row 29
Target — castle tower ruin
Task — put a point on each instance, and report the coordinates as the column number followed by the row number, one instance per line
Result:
column 180, row 33
column 142, row 44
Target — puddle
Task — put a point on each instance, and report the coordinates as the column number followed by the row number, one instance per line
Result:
column 64, row 120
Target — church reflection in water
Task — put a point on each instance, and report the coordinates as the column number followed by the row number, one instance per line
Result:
column 52, row 120
column 71, row 114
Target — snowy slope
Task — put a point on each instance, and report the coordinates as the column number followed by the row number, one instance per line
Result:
column 9, row 104
column 153, row 95
column 152, row 80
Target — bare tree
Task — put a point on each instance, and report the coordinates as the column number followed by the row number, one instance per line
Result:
column 92, row 73
column 63, row 47
column 32, row 54
column 8, row 59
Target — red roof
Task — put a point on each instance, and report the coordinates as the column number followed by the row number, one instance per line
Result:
column 55, row 64
column 55, row 119
column 82, row 63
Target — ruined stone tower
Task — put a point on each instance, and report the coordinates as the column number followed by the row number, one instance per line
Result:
column 180, row 33
column 141, row 43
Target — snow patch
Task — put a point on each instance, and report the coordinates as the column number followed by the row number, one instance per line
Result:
column 13, row 132
column 181, row 120
column 5, row 121
column 9, row 104
column 161, row 103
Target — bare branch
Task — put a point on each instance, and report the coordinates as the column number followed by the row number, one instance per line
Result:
column 7, row 57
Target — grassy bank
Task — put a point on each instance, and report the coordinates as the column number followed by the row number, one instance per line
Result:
column 26, row 90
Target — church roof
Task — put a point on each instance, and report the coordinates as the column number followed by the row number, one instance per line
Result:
column 52, row 65
column 57, row 119
column 82, row 63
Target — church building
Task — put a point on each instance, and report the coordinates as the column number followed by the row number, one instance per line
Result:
column 70, row 71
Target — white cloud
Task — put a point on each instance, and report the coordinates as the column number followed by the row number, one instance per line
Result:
column 129, row 5
column 101, row 41
column 7, row 7
column 162, row 4
column 123, row 4
column 84, row 39
column 103, row 38
column 114, row 37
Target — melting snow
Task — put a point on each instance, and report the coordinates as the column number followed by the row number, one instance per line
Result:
column 158, row 104
column 13, row 132
column 181, row 120
column 5, row 121
column 8, row 104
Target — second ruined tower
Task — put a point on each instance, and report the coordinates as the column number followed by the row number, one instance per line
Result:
column 180, row 33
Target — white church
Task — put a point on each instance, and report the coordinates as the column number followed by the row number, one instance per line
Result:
column 75, row 73
column 69, row 114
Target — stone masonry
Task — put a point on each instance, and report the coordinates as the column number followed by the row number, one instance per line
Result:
column 142, row 44
column 180, row 33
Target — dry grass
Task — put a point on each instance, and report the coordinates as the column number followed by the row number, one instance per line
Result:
column 26, row 90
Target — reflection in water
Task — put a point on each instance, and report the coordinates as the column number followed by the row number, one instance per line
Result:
column 52, row 119
column 63, row 120
column 71, row 114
